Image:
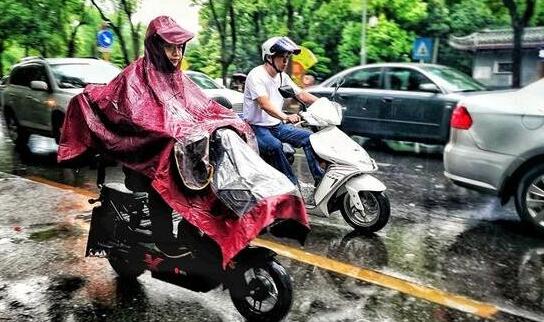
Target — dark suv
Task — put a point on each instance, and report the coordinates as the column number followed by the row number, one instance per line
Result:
column 38, row 90
column 399, row 101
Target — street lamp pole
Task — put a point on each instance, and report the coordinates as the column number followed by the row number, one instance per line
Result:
column 363, row 34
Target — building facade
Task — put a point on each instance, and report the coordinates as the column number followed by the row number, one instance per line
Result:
column 492, row 52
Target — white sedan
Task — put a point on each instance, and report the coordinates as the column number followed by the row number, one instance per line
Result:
column 497, row 144
column 216, row 91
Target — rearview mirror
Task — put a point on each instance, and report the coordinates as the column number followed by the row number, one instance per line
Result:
column 39, row 85
column 287, row 91
column 429, row 87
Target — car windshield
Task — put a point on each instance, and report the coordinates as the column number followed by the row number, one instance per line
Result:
column 534, row 88
column 79, row 75
column 203, row 81
column 453, row 80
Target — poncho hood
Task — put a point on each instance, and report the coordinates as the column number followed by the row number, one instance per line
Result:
column 163, row 30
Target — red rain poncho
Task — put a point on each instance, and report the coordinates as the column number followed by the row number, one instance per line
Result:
column 140, row 115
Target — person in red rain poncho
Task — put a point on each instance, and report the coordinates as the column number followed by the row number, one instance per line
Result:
column 151, row 115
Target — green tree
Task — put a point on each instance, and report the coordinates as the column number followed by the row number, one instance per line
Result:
column 327, row 27
column 538, row 19
column 220, row 16
column 13, row 21
column 122, row 17
column 204, row 58
column 76, row 18
column 385, row 42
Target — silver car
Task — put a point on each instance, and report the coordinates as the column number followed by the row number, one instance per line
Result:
column 38, row 91
column 497, row 144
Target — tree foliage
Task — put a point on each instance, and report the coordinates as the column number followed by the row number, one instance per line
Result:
column 230, row 39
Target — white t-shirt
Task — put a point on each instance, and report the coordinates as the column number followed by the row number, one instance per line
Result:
column 260, row 83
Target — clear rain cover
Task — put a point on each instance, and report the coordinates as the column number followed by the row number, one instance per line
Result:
column 241, row 178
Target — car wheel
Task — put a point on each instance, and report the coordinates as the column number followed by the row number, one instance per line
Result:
column 530, row 198
column 18, row 135
column 56, row 124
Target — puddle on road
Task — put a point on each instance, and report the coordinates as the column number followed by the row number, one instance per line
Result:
column 62, row 230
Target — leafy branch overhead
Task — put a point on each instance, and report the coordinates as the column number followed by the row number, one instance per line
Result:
column 232, row 31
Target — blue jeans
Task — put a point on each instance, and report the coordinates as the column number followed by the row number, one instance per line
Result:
column 270, row 140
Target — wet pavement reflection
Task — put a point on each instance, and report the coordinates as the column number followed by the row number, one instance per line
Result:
column 440, row 235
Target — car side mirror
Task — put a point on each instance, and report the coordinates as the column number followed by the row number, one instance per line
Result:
column 39, row 86
column 429, row 87
column 287, row 91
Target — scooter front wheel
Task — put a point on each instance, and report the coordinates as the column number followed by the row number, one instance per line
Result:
column 375, row 215
column 263, row 292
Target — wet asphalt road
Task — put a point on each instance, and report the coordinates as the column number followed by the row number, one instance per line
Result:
column 440, row 235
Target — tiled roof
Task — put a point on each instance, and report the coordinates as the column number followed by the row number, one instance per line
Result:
column 533, row 37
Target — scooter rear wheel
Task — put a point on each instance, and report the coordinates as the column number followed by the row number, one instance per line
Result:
column 125, row 268
column 263, row 292
column 375, row 215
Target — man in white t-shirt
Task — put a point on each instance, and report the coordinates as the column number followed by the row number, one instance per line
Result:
column 263, row 107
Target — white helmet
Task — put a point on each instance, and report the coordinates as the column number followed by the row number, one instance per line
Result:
column 278, row 45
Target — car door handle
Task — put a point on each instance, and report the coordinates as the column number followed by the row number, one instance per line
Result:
column 387, row 99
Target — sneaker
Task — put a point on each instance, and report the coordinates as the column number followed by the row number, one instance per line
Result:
column 172, row 250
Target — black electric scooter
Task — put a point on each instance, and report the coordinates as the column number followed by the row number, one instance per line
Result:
column 259, row 285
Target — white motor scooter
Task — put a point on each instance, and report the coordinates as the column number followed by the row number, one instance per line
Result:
column 348, row 185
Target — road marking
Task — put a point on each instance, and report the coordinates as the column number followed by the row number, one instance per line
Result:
column 453, row 301
column 446, row 299
column 81, row 191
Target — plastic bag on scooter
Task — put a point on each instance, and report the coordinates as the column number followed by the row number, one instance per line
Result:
column 241, row 178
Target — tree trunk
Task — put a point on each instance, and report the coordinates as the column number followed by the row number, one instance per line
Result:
column 257, row 20
column 72, row 41
column 517, row 54
column 134, row 31
column 43, row 50
column 290, row 18
column 73, row 34
column 519, row 22
column 227, row 57
column 224, row 71
column 122, row 41
column 1, row 58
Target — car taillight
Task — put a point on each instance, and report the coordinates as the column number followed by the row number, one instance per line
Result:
column 460, row 118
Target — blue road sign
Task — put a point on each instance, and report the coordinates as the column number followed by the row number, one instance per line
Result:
column 104, row 38
column 422, row 49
